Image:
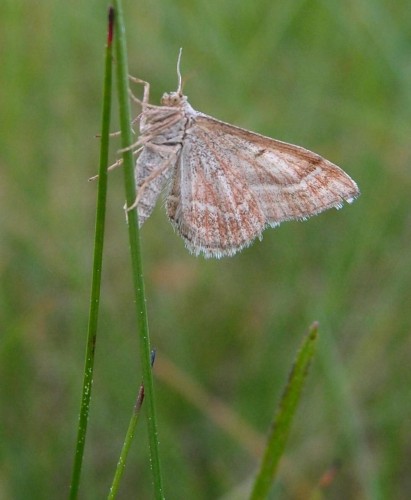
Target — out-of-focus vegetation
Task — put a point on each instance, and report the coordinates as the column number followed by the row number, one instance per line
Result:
column 332, row 76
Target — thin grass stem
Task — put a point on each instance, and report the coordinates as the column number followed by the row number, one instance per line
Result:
column 97, row 266
column 134, row 239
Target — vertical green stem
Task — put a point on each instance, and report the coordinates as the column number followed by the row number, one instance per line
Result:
column 134, row 238
column 97, row 266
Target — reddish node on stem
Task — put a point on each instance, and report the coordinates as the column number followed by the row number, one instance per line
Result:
column 110, row 25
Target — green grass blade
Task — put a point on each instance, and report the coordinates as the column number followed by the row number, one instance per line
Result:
column 284, row 416
column 127, row 441
column 97, row 267
column 126, row 446
column 134, row 238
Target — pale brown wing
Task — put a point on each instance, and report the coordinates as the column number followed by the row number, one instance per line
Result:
column 288, row 181
column 154, row 169
column 210, row 206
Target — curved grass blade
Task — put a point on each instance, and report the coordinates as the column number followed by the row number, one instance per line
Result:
column 128, row 439
column 282, row 421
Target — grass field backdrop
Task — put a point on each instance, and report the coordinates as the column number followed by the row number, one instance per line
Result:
column 332, row 76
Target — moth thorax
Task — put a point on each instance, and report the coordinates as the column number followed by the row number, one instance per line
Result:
column 173, row 99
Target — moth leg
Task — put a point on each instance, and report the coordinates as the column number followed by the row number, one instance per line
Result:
column 146, row 92
column 131, row 147
column 111, row 134
column 116, row 164
column 118, row 132
column 146, row 138
column 160, row 148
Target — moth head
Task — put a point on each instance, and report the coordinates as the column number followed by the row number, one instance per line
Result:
column 173, row 99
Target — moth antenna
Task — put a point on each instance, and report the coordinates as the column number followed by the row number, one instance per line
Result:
column 180, row 83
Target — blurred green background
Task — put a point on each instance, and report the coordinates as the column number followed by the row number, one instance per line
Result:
column 332, row 76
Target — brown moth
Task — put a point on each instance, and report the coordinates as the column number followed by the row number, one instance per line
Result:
column 224, row 185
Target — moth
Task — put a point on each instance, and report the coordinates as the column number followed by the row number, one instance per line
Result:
column 223, row 184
